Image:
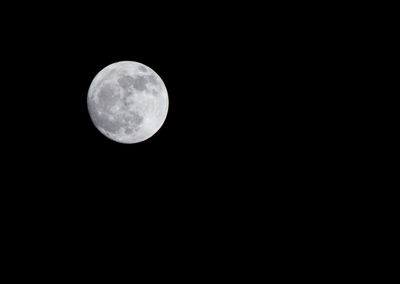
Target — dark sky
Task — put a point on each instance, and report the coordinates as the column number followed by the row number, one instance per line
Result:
column 240, row 105
column 254, row 170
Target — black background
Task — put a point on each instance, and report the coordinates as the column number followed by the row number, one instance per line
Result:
column 243, row 83
column 244, row 143
column 213, row 64
column 254, row 169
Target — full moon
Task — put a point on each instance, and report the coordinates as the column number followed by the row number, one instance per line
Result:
column 127, row 102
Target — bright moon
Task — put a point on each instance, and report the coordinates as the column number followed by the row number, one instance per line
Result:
column 127, row 102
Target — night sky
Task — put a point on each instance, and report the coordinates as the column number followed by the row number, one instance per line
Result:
column 244, row 128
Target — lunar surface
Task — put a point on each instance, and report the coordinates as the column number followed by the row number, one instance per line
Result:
column 127, row 102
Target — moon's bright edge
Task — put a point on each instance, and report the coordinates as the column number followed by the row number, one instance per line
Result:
column 127, row 102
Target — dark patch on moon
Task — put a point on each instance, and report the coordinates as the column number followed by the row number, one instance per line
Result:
column 134, row 118
column 139, row 83
column 128, row 131
column 137, row 119
column 125, row 101
column 126, row 81
column 107, row 97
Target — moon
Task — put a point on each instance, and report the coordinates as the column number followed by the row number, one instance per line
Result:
column 127, row 102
